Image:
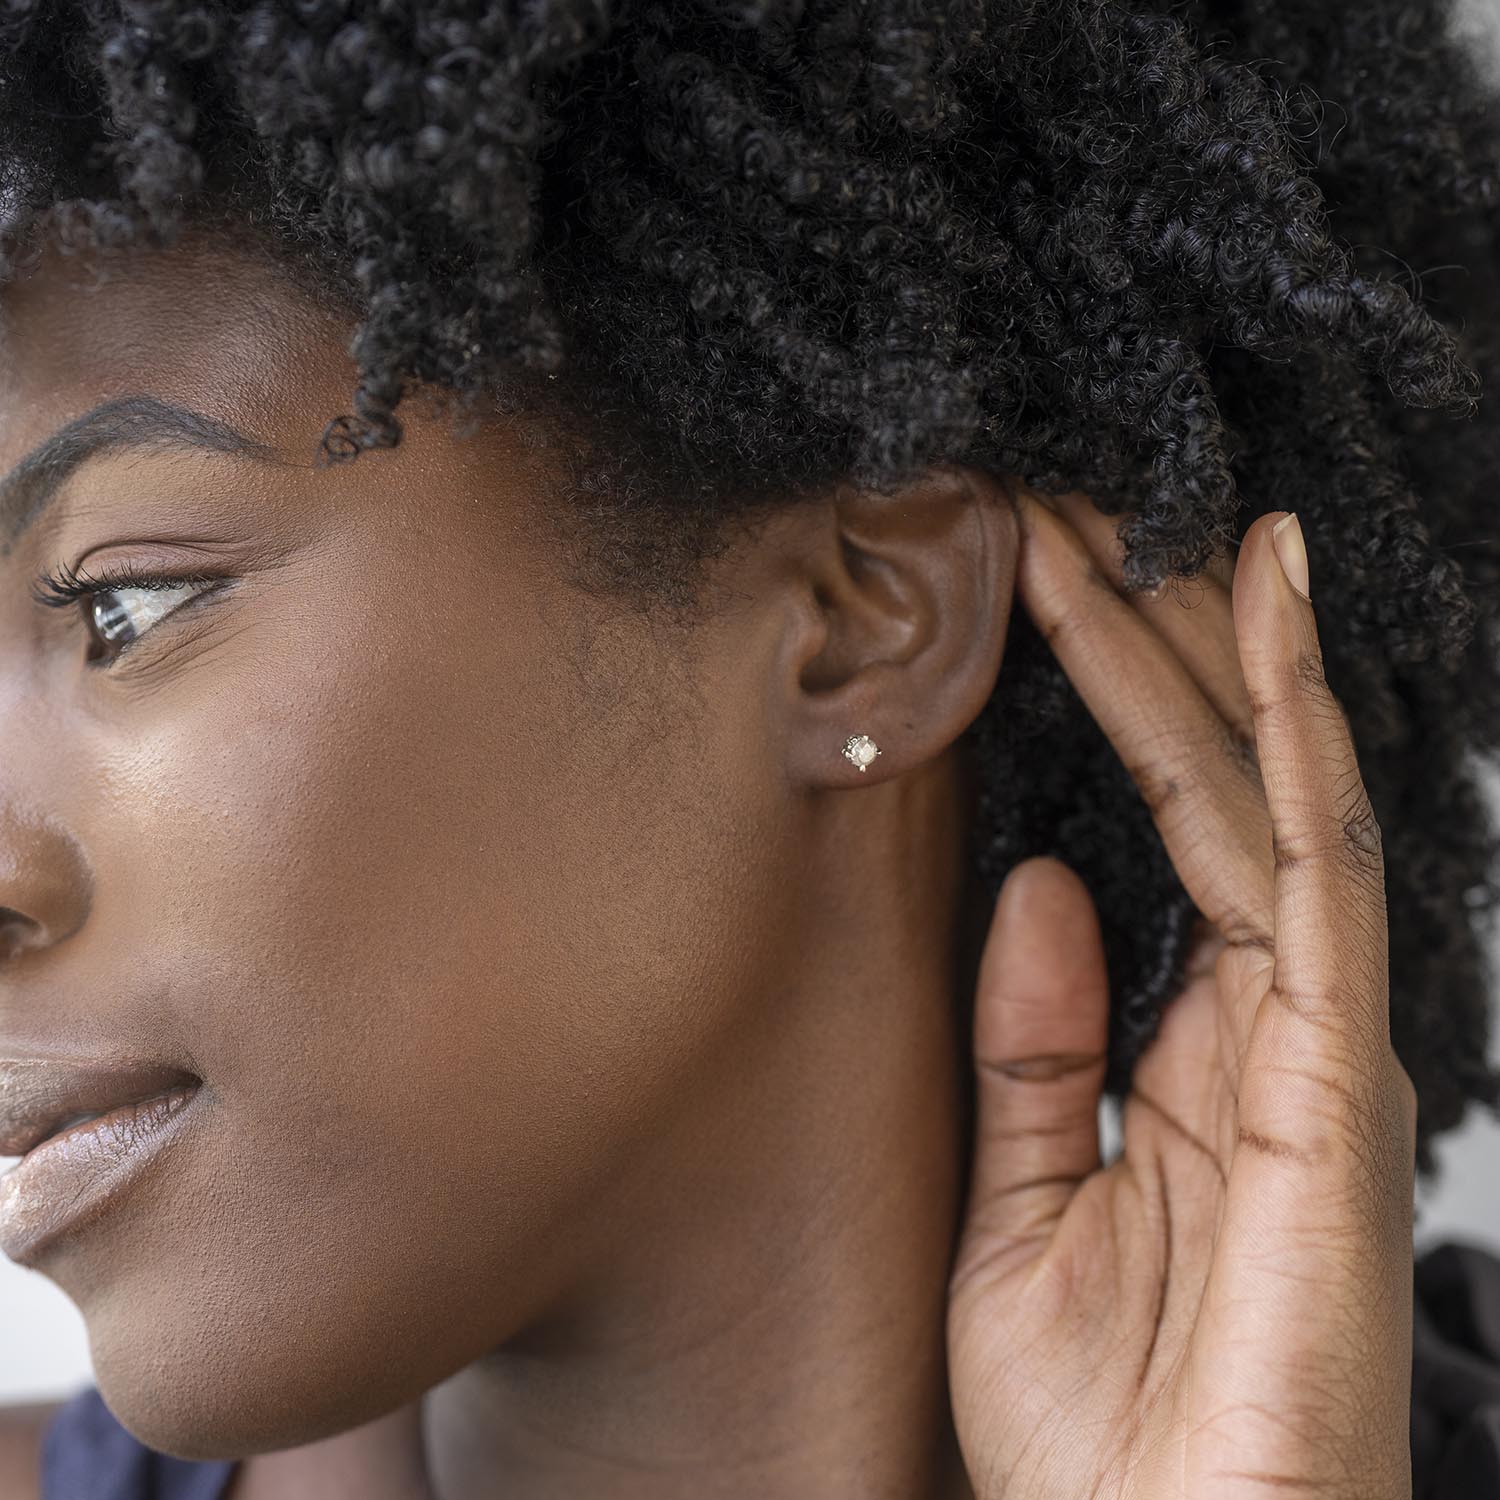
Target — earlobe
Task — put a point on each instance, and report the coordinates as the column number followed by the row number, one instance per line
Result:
column 913, row 592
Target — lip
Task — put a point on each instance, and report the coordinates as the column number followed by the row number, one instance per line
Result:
column 72, row 1168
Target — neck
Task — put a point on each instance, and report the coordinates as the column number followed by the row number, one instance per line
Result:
column 769, row 1319
column 773, row 1323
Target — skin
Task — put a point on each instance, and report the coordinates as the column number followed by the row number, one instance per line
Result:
column 583, row 1074
column 1225, row 1309
column 578, row 1022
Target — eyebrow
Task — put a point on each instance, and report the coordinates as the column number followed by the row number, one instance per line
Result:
column 126, row 422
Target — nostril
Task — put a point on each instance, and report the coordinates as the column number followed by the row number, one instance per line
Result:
column 18, row 932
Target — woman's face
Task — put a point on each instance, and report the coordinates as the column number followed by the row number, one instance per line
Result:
column 444, row 879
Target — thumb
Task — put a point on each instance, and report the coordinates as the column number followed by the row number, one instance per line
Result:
column 1040, row 1028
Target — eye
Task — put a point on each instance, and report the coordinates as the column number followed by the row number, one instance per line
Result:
column 120, row 616
column 121, row 606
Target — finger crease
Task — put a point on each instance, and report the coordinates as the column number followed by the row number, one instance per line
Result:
column 1269, row 1146
column 1044, row 1067
column 1181, row 1129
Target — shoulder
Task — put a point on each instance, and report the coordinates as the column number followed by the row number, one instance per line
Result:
column 21, row 1429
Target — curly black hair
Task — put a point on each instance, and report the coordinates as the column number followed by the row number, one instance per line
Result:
column 1199, row 258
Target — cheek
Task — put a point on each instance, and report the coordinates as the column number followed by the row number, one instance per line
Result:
column 440, row 942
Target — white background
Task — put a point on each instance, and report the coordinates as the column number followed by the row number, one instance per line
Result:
column 44, row 1350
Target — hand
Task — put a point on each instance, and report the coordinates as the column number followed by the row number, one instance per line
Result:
column 1224, row 1312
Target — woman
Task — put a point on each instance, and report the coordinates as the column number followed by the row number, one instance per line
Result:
column 589, row 542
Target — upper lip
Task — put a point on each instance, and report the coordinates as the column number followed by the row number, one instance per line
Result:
column 40, row 1094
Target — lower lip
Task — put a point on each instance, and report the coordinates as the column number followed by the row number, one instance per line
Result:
column 71, row 1178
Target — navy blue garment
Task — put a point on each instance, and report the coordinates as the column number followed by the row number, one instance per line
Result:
column 87, row 1455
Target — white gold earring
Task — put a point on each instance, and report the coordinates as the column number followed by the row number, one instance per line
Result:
column 860, row 750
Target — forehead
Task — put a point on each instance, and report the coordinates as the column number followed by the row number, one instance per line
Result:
column 226, row 334
column 200, row 323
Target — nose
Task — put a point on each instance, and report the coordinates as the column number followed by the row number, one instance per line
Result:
column 18, row 932
column 44, row 882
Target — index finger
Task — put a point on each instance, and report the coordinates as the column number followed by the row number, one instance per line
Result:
column 1331, row 935
column 1321, row 1177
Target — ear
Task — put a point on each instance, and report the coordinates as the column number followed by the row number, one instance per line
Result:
column 910, row 596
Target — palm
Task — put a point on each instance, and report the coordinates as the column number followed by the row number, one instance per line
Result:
column 1123, row 1271
column 1217, row 1312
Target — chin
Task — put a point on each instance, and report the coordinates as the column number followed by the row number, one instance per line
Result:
column 227, row 1387
column 202, row 1410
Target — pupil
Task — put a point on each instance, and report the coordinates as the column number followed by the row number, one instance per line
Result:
column 109, row 616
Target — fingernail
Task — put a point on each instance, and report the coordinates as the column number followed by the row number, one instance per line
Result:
column 1291, row 552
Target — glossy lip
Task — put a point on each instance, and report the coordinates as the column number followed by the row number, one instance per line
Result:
column 39, row 1095
column 73, row 1168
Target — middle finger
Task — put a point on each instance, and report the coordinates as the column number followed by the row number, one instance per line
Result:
column 1206, row 798
column 1195, row 616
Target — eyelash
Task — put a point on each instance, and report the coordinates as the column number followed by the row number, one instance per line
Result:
column 66, row 587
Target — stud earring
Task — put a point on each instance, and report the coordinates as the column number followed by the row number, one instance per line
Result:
column 860, row 750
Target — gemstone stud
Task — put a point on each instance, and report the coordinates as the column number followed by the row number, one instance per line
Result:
column 860, row 750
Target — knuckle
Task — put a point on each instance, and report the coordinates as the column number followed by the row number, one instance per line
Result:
column 1318, row 844
column 1346, row 836
column 1158, row 789
column 1240, row 750
column 1361, row 828
column 1057, row 616
column 1307, row 673
column 1303, row 687
column 1066, row 612
column 1358, row 823
column 1170, row 768
column 1161, row 767
column 1344, row 1035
